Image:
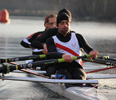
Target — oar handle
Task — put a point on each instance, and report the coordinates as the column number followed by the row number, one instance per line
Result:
column 74, row 58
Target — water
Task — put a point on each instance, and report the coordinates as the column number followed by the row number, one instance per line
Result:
column 101, row 36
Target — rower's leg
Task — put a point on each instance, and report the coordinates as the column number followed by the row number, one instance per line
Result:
column 50, row 71
column 78, row 73
column 63, row 74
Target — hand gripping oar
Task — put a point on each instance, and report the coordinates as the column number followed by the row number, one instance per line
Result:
column 7, row 60
column 7, row 68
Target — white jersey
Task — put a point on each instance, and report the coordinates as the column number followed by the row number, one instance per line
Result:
column 71, row 47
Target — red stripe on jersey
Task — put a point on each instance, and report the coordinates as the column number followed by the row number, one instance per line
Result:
column 39, row 35
column 68, row 50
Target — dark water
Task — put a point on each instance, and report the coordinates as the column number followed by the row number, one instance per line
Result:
column 101, row 36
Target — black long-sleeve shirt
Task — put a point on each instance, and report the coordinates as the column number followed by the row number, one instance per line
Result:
column 27, row 41
column 37, row 43
column 52, row 48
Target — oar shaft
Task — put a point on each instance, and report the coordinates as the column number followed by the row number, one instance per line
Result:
column 50, row 80
column 102, row 61
column 6, row 60
column 106, row 58
column 8, row 68
column 27, row 71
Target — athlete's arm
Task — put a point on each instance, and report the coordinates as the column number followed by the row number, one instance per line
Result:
column 87, row 48
column 51, row 47
column 38, row 42
column 83, row 43
column 34, row 36
column 25, row 43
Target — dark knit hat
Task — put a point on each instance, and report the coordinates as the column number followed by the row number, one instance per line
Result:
column 65, row 11
column 62, row 16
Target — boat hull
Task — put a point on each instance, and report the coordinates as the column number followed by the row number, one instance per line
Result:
column 76, row 92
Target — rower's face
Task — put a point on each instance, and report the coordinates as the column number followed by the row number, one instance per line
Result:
column 51, row 23
column 64, row 27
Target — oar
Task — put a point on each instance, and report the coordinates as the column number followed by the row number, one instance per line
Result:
column 106, row 58
column 49, row 80
column 102, row 61
column 7, row 60
column 7, row 68
column 30, row 72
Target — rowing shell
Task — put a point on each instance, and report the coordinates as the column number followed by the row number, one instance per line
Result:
column 73, row 93
column 76, row 93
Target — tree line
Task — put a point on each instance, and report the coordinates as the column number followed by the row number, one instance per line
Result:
column 80, row 9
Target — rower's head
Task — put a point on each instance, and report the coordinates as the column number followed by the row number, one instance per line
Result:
column 63, row 23
column 50, row 21
column 66, row 11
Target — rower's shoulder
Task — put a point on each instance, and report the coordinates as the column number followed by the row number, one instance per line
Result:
column 77, row 34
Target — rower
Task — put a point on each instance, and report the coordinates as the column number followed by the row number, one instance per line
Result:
column 49, row 22
column 66, row 44
column 38, row 42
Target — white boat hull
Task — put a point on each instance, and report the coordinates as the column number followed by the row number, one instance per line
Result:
column 73, row 93
column 76, row 93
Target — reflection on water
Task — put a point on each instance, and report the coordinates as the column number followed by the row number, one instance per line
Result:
column 101, row 36
column 10, row 47
column 105, row 47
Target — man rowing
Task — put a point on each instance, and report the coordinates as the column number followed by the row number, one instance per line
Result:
column 50, row 22
column 66, row 44
column 39, row 41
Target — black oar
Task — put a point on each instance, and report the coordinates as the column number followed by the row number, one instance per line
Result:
column 102, row 61
column 7, row 68
column 106, row 58
column 7, row 60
